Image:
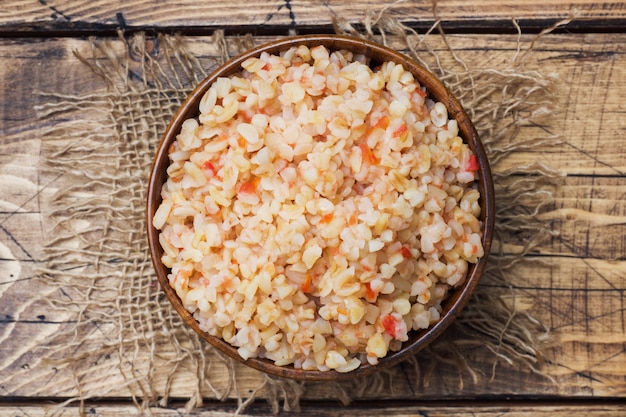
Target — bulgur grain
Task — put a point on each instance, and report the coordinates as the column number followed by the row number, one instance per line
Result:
column 317, row 210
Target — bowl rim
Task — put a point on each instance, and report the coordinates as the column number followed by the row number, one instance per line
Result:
column 456, row 300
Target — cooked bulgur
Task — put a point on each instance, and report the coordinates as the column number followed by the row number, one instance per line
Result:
column 317, row 210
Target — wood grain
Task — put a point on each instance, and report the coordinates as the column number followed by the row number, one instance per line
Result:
column 219, row 410
column 279, row 16
column 574, row 283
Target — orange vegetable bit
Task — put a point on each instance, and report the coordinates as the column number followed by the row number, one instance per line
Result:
column 326, row 218
column 208, row 166
column 370, row 294
column 472, row 164
column 306, row 285
column 367, row 154
column 406, row 252
column 382, row 123
column 389, row 323
column 250, row 186
column 401, row 130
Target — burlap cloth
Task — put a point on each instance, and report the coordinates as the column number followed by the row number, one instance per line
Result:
column 123, row 336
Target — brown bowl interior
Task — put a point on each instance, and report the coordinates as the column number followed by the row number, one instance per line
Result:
column 437, row 91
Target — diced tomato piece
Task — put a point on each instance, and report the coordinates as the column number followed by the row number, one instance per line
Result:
column 208, row 166
column 389, row 323
column 326, row 218
column 400, row 130
column 249, row 186
column 370, row 294
column 382, row 123
column 306, row 285
column 472, row 164
column 367, row 154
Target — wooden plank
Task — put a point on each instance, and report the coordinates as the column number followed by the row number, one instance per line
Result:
column 590, row 216
column 575, row 284
column 587, row 216
column 410, row 410
column 279, row 15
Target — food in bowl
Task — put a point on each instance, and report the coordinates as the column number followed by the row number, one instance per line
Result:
column 316, row 211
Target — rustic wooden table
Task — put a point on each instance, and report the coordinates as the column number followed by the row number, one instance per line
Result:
column 575, row 283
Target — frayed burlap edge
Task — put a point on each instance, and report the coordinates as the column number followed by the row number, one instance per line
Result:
column 97, row 252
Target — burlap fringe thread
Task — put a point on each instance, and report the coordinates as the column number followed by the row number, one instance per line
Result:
column 125, row 332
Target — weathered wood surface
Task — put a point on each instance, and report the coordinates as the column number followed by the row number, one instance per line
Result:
column 329, row 411
column 576, row 283
column 73, row 16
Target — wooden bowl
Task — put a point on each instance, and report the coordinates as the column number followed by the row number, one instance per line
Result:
column 378, row 54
